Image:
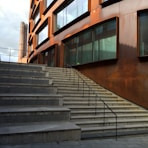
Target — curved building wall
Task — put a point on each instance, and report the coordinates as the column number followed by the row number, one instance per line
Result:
column 126, row 74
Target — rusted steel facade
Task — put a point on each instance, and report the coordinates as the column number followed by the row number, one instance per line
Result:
column 122, row 68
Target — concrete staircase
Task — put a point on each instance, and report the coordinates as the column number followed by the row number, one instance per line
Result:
column 31, row 111
column 94, row 116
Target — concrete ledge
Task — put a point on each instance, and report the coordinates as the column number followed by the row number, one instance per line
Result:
column 40, row 133
column 31, row 99
column 27, row 88
column 33, row 114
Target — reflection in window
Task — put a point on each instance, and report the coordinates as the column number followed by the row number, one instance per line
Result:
column 48, row 57
column 37, row 17
column 95, row 44
column 48, row 3
column 43, row 35
column 143, row 31
column 72, row 11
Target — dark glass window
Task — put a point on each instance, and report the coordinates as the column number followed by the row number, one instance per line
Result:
column 70, row 12
column 49, row 57
column 143, row 31
column 95, row 44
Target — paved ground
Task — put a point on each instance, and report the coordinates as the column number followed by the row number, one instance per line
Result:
column 123, row 142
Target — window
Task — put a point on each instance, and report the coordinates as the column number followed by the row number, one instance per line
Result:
column 143, row 31
column 49, row 56
column 37, row 16
column 43, row 34
column 48, row 4
column 94, row 44
column 70, row 12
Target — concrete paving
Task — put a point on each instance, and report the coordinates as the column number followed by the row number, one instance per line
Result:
column 140, row 141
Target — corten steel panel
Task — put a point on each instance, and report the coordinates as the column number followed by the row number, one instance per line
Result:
column 127, row 76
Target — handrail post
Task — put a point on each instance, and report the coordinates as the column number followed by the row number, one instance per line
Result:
column 96, row 98
column 104, row 114
column 116, row 127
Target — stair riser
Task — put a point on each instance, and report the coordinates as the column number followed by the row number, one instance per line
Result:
column 112, row 133
column 30, row 101
column 24, row 80
column 101, row 108
column 107, row 113
column 110, row 124
column 27, row 89
column 22, row 73
column 40, row 137
column 40, row 116
column 20, row 66
column 90, row 103
column 107, row 118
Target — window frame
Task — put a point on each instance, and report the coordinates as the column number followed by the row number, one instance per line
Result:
column 141, row 57
column 46, row 9
column 108, row 2
column 34, row 15
column 92, row 28
column 39, row 30
column 63, row 6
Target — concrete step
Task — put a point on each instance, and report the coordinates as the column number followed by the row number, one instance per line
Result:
column 90, row 90
column 27, row 88
column 22, row 79
column 81, row 94
column 108, row 112
column 109, row 117
column 21, row 66
column 30, row 99
column 93, row 99
column 25, row 73
column 98, row 103
column 20, row 114
column 73, row 84
column 39, row 133
column 101, row 107
column 112, row 122
column 110, row 131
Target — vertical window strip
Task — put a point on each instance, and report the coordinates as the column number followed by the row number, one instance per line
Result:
column 143, row 31
column 43, row 35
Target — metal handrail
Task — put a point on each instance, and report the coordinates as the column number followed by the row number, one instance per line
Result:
column 97, row 96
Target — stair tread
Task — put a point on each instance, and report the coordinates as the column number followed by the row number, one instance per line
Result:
column 113, row 127
column 110, row 120
column 38, row 127
column 120, row 111
column 29, row 95
column 12, row 109
column 112, row 115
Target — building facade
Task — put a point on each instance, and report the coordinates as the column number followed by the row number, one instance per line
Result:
column 105, row 39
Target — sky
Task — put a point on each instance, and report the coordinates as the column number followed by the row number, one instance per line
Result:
column 12, row 13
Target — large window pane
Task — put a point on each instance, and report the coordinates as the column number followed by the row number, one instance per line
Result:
column 70, row 12
column 43, row 34
column 82, row 6
column 48, row 2
column 143, row 31
column 37, row 17
column 94, row 44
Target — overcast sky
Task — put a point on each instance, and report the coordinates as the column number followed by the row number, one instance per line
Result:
column 12, row 13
